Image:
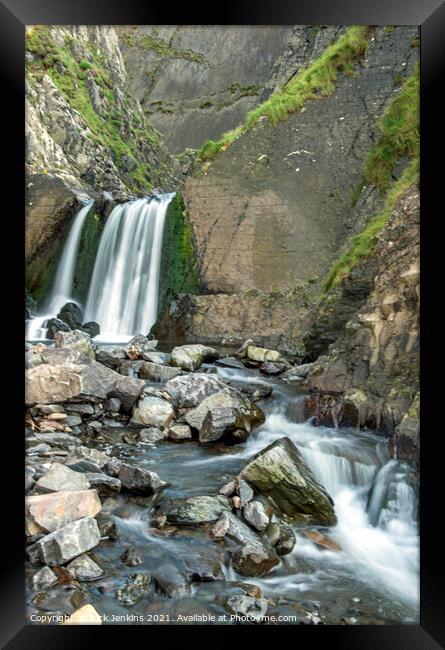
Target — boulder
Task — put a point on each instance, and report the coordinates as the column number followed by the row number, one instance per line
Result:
column 242, row 351
column 82, row 465
column 262, row 354
column 251, row 556
column 49, row 512
column 191, row 357
column 286, row 541
column 279, row 472
column 301, row 372
column 94, row 455
column 190, row 390
column 83, row 568
column 256, row 392
column 138, row 345
column 110, row 357
column 153, row 411
column 106, row 486
column 269, row 368
column 127, row 390
column 219, row 421
column 156, row 372
column 85, row 615
column 77, row 341
column 152, row 435
column 71, row 315
column 160, row 358
column 242, row 605
column 255, row 514
column 43, row 578
column 92, row 328
column 139, row 480
column 113, row 466
column 137, row 586
column 66, row 543
column 229, row 362
column 197, row 510
column 244, row 491
column 179, row 432
column 54, row 325
column 61, row 478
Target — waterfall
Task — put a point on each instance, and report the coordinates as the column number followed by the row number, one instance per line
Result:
column 63, row 280
column 123, row 294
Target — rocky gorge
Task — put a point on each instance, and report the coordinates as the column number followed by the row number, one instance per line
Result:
column 222, row 303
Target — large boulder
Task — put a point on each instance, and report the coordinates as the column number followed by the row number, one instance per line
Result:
column 66, row 543
column 60, row 478
column 262, row 354
column 189, row 390
column 71, row 315
column 240, row 413
column 158, row 372
column 75, row 340
column 153, row 411
column 49, row 512
column 280, row 473
column 191, row 357
column 198, row 510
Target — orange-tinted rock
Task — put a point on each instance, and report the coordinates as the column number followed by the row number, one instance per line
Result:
column 49, row 512
column 321, row 540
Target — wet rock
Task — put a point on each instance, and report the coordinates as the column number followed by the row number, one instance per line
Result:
column 298, row 372
column 61, row 478
column 229, row 362
column 262, row 354
column 191, row 357
column 156, row 372
column 236, row 502
column 29, row 478
column 107, row 486
column 246, row 413
column 131, row 557
column 86, row 615
column 153, row 411
column 110, row 358
column 229, row 488
column 127, row 390
column 323, row 541
column 82, row 409
column 179, row 432
column 137, row 587
column 47, row 409
column 66, row 543
column 255, row 515
column 58, row 439
column 139, row 480
column 197, row 510
column 273, row 533
column 83, row 568
column 171, row 582
column 54, row 325
column 218, row 422
column 107, row 527
column 76, row 340
column 94, row 455
column 220, row 528
column 71, row 315
column 113, row 466
column 82, row 465
column 49, row 512
column 279, row 472
column 91, row 328
column 287, row 540
column 190, row 390
column 43, row 579
column 269, row 368
column 113, row 404
column 203, row 566
column 152, row 435
column 251, row 556
column 240, row 605
column 245, row 492
column 73, row 421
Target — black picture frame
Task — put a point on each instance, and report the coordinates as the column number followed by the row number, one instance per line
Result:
column 430, row 16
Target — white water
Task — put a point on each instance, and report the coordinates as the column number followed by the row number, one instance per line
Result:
column 123, row 294
column 63, row 281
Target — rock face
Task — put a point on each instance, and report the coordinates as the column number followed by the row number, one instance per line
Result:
column 280, row 473
column 371, row 374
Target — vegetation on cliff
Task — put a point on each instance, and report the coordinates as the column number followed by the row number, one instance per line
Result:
column 313, row 82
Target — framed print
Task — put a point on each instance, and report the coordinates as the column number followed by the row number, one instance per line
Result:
column 224, row 252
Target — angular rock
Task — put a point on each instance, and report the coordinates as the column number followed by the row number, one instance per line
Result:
column 321, row 540
column 240, row 605
column 256, row 392
column 197, row 510
column 82, row 465
column 152, row 435
column 279, row 472
column 86, row 615
column 54, row 325
column 127, row 390
column 77, row 341
column 43, row 578
column 191, row 357
column 156, row 372
column 245, row 492
column 83, row 409
column 113, row 466
column 298, row 371
column 73, row 421
column 110, row 358
column 160, row 358
column 229, row 362
column 29, row 477
column 94, row 455
column 220, row 528
column 66, row 543
column 251, row 556
column 255, row 515
column 107, row 486
column 287, row 540
column 136, row 588
column 49, row 512
column 262, row 354
column 171, row 581
column 63, row 440
column 47, row 409
column 179, row 432
column 61, row 478
column 153, row 411
column 269, row 368
column 83, row 568
column 190, row 390
column 242, row 351
column 140, row 480
column 113, row 404
column 219, row 421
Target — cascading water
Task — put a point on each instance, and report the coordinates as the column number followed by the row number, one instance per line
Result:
column 123, row 294
column 63, row 281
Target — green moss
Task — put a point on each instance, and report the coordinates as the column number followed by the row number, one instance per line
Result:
column 399, row 135
column 318, row 80
column 88, row 245
column 363, row 243
column 157, row 44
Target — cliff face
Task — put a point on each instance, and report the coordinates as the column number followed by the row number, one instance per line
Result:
column 195, row 83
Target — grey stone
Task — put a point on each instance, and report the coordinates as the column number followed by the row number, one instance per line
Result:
column 190, row 390
column 84, row 568
column 43, row 578
column 252, row 556
column 66, row 543
column 152, row 435
column 179, row 432
column 255, row 515
column 197, row 510
column 287, row 540
column 157, row 372
column 113, row 405
column 75, row 340
column 61, row 478
column 127, row 390
column 246, row 606
column 83, row 409
column 73, row 421
column 152, row 411
column 136, row 588
column 140, row 480
column 131, row 557
column 191, row 357
column 107, row 486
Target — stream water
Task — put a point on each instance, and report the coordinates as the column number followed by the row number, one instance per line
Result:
column 372, row 580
